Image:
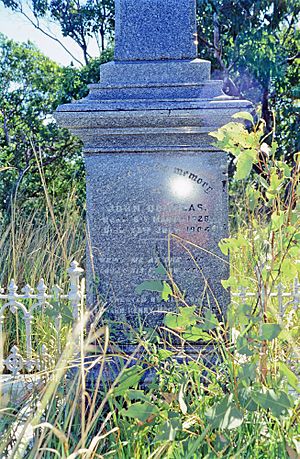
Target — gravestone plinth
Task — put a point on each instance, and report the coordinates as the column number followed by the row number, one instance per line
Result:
column 156, row 187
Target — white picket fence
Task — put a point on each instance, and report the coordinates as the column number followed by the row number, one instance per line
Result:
column 38, row 301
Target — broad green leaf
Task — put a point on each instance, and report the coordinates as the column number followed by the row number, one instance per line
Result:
column 155, row 286
column 263, row 182
column 247, row 372
column 296, row 236
column 261, row 398
column 188, row 312
column 276, row 182
column 231, row 137
column 244, row 164
column 253, row 197
column 233, row 244
column 161, row 270
column 167, row 432
column 289, row 268
column 132, row 394
column 243, row 316
column 245, row 399
column 183, row 320
column 269, row 331
column 164, row 354
column 278, row 402
column 231, row 282
column 225, row 415
column 210, row 322
column 151, row 285
column 242, row 346
column 171, row 321
column 284, row 167
column 196, row 334
column 277, row 220
column 130, row 377
column 166, row 292
column 244, row 116
column 141, row 411
column 217, row 134
column 292, row 379
column 224, row 246
column 294, row 252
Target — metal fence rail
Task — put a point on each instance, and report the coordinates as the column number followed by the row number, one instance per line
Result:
column 13, row 302
column 280, row 293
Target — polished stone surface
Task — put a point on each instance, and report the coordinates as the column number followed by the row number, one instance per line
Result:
column 156, row 186
column 159, row 72
column 155, row 29
column 147, row 208
column 135, row 125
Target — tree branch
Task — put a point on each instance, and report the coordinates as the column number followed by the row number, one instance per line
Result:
column 37, row 26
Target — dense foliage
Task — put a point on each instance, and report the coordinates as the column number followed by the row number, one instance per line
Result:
column 254, row 46
column 247, row 405
column 31, row 143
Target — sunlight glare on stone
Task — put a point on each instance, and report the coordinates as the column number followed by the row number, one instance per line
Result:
column 181, row 187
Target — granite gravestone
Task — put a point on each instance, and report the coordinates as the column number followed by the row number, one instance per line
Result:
column 156, row 187
column 155, row 30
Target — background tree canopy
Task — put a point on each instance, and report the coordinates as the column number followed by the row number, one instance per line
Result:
column 31, row 88
column 253, row 46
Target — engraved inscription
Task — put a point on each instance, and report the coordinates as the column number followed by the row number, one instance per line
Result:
column 157, row 219
column 152, row 209
column 195, row 178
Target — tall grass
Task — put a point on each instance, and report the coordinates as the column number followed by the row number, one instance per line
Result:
column 216, row 400
column 36, row 245
column 44, row 242
column 114, row 414
column 37, row 251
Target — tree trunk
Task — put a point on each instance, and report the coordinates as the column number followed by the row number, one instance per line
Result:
column 102, row 35
column 266, row 112
column 6, row 131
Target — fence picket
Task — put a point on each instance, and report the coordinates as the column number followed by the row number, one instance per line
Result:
column 279, row 294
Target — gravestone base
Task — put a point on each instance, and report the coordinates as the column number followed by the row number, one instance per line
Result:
column 118, row 358
column 151, row 72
